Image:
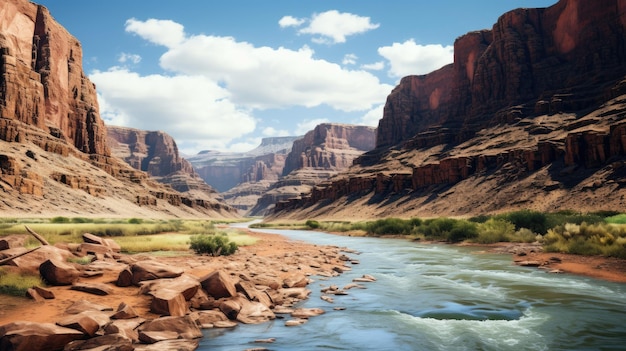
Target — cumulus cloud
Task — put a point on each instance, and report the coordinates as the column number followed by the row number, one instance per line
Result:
column 332, row 26
column 372, row 116
column 126, row 57
column 273, row 132
column 411, row 58
column 376, row 66
column 265, row 77
column 349, row 59
column 290, row 21
column 161, row 32
column 308, row 125
column 192, row 108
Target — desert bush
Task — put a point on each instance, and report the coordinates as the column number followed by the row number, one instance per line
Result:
column 15, row 284
column 533, row 220
column 437, row 228
column 463, row 230
column 480, row 218
column 312, row 224
column 587, row 239
column 391, row 226
column 214, row 245
column 135, row 221
column 495, row 230
column 81, row 220
column 59, row 219
column 616, row 219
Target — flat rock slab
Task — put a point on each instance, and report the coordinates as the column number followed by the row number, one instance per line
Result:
column 93, row 288
column 85, row 305
column 27, row 336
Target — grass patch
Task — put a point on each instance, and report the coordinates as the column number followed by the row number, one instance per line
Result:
column 15, row 284
column 616, row 219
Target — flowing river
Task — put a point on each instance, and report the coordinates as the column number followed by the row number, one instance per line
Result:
column 443, row 297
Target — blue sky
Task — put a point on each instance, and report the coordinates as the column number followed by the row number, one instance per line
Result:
column 222, row 75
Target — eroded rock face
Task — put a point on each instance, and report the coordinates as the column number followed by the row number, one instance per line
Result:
column 154, row 152
column 529, row 115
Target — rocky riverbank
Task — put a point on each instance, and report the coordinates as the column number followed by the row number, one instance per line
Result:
column 140, row 302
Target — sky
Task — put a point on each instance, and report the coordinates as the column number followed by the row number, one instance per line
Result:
column 222, row 75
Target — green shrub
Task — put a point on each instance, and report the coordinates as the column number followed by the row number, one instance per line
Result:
column 312, row 224
column 59, row 219
column 81, row 220
column 214, row 245
column 616, row 219
column 135, row 221
column 495, row 230
column 390, row 226
column 463, row 230
column 587, row 239
column 437, row 228
column 533, row 220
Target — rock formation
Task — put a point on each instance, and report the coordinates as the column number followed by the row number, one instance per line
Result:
column 244, row 177
column 322, row 153
column 530, row 114
column 52, row 140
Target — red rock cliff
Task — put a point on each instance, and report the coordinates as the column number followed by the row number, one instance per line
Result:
column 330, row 146
column 528, row 56
column 43, row 84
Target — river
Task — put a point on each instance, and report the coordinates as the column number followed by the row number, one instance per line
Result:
column 443, row 297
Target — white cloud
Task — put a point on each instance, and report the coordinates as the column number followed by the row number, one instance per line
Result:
column 192, row 108
column 376, row 66
column 161, row 32
column 334, row 26
column 372, row 116
column 272, row 132
column 125, row 57
column 409, row 58
column 349, row 59
column 265, row 77
column 290, row 21
column 308, row 125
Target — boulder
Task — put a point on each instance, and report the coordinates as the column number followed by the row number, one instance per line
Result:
column 124, row 327
column 88, row 322
column 57, row 272
column 186, row 284
column 296, row 281
column 149, row 270
column 168, row 302
column 93, row 288
column 94, row 249
column 33, row 260
column 110, row 342
column 85, row 305
column 45, row 293
column 165, row 328
column 125, row 278
column 92, row 239
column 307, row 312
column 218, row 284
column 230, row 308
column 253, row 312
column 202, row 301
column 113, row 245
column 254, row 294
column 34, row 295
column 12, row 241
column 124, row 311
column 28, row 336
column 207, row 319
column 295, row 322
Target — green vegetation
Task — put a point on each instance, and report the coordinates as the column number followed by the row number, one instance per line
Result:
column 134, row 235
column 598, row 233
column 16, row 284
column 214, row 245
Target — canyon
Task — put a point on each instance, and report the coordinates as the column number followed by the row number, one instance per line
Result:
column 54, row 156
column 529, row 115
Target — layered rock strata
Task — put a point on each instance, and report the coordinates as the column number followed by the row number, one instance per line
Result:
column 530, row 114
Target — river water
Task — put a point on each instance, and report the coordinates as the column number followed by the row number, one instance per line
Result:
column 443, row 297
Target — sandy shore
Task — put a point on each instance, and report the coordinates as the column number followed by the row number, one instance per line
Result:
column 274, row 246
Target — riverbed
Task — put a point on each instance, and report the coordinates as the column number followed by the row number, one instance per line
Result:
column 442, row 297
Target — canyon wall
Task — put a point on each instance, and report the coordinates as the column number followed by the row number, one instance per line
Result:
column 540, row 96
column 54, row 157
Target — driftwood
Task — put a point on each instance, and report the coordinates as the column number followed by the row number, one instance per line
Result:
column 37, row 236
column 9, row 259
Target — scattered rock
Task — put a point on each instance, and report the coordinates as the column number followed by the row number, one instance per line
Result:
column 124, row 327
column 88, row 322
column 112, row 342
column 170, row 345
column 125, row 278
column 186, row 285
column 32, row 294
column 295, row 322
column 165, row 328
column 208, row 319
column 84, row 305
column 529, row 263
column 366, row 278
column 57, row 272
column 307, row 312
column 93, row 288
column 124, row 311
column 27, row 336
column 218, row 284
column 150, row 269
column 168, row 302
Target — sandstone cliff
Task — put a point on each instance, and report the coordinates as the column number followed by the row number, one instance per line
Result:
column 322, row 153
column 54, row 158
column 529, row 115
